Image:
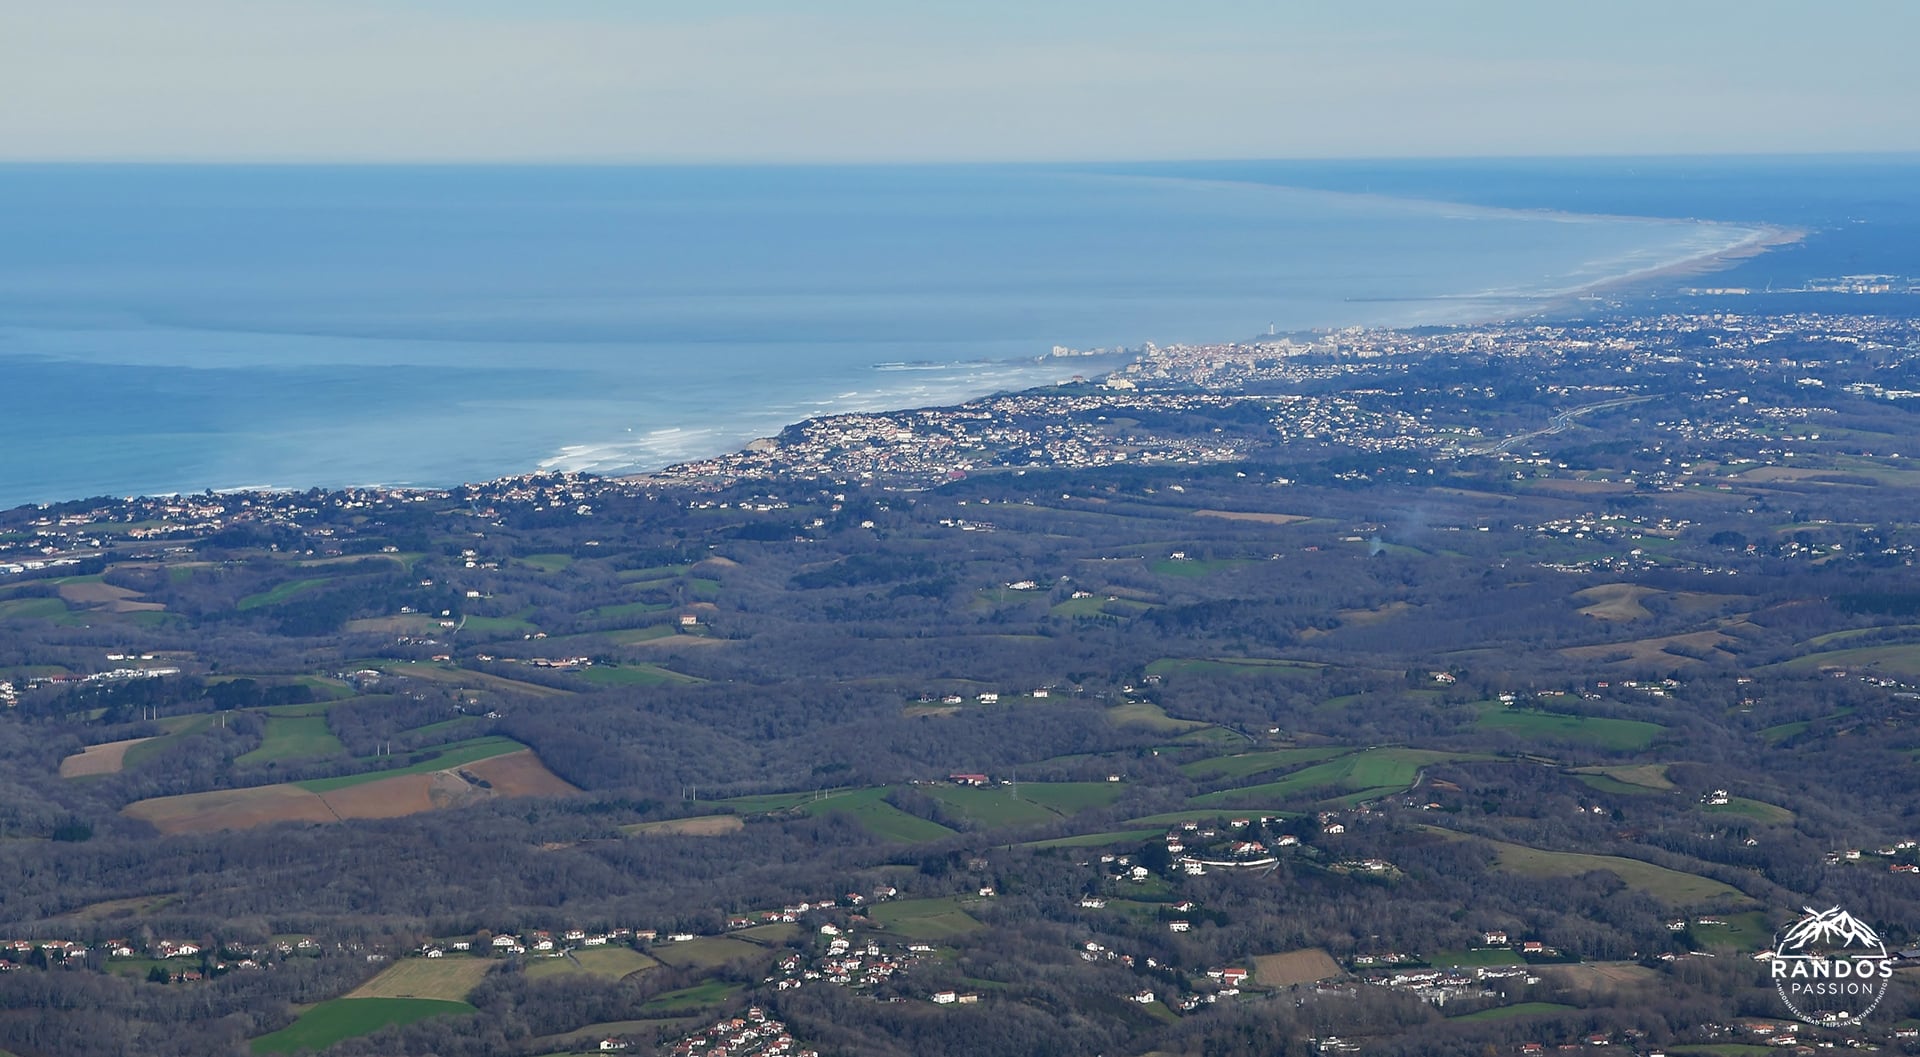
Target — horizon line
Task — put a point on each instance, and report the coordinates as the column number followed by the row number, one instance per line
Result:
column 242, row 161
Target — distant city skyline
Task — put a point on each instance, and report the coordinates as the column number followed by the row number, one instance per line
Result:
column 866, row 81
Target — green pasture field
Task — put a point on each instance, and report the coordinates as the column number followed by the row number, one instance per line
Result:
column 1745, row 933
column 1194, row 568
column 1620, row 735
column 1641, row 777
column 444, row 725
column 1669, row 886
column 1368, row 771
column 1151, row 716
column 626, row 611
column 1237, row 666
column 707, row 952
column 436, row 673
column 869, row 808
column 612, row 963
column 925, row 919
column 448, row 979
column 1242, row 765
column 635, row 636
column 657, row 572
column 178, row 727
column 513, row 625
column 1757, row 810
column 1607, row 784
column 1519, row 1009
column 634, row 675
column 761, row 803
column 700, row 996
column 1478, row 956
column 547, row 563
column 1096, row 840
column 452, row 755
column 294, row 738
column 43, row 610
column 1902, row 659
column 1070, row 798
column 344, row 1018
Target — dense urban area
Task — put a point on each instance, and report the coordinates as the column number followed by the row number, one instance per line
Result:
column 1463, row 690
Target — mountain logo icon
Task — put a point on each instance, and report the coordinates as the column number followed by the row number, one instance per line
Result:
column 1829, row 967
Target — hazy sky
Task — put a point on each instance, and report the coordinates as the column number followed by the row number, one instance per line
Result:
column 913, row 80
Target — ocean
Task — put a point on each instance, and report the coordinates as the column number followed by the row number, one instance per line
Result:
column 178, row 328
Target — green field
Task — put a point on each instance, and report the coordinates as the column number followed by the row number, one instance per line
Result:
column 994, row 806
column 869, row 808
column 1902, row 659
column 344, row 1018
column 47, row 610
column 613, row 963
column 762, row 803
column 627, row 611
column 293, row 738
column 1758, row 811
column 1782, row 731
column 1520, row 1009
column 924, row 919
column 1746, row 932
column 711, row 993
column 1670, row 886
column 1628, row 779
column 445, row 725
column 657, row 572
column 281, row 593
column 1371, row 772
column 634, row 675
column 1620, row 735
column 1071, row 798
column 1151, row 716
column 1194, row 568
column 1251, row 763
column 514, row 625
column 1605, row 784
column 461, row 677
column 866, row 806
column 1099, row 606
column 1096, row 840
column 707, row 952
column 445, row 756
column 636, row 636
column 1476, row 957
column 1034, row 802
column 548, row 563
column 1235, row 666
column 178, row 728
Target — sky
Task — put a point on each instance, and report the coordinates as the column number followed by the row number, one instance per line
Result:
column 671, row 81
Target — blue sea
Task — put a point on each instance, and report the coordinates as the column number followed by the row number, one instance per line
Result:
column 178, row 328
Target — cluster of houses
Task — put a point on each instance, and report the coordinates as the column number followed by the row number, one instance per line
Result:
column 846, row 962
column 1440, row 986
column 19, row 954
column 541, row 941
column 752, row 1034
column 1886, row 851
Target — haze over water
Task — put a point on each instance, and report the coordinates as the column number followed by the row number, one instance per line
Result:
column 170, row 329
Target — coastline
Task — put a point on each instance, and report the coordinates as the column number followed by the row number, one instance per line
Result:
column 1498, row 307
column 324, row 413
